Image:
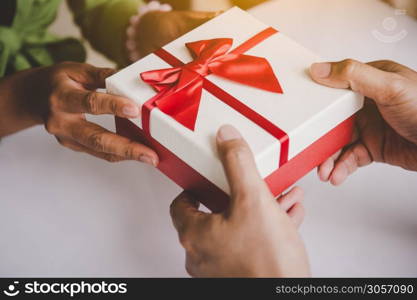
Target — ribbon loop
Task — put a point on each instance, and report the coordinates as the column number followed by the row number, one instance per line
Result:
column 207, row 50
column 181, row 87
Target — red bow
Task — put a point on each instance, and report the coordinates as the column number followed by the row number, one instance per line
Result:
column 180, row 88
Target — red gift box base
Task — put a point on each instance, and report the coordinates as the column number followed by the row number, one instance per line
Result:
column 213, row 197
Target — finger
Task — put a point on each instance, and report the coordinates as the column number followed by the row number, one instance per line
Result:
column 362, row 78
column 326, row 168
column 76, row 100
column 239, row 165
column 354, row 157
column 99, row 139
column 291, row 198
column 184, row 212
column 74, row 146
column 90, row 76
column 297, row 213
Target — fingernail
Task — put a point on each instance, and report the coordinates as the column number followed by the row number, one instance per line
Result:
column 147, row 160
column 228, row 133
column 131, row 111
column 321, row 70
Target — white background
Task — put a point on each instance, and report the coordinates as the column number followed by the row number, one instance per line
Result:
column 67, row 214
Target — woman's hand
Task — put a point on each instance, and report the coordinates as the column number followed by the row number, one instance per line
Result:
column 157, row 28
column 256, row 237
column 59, row 97
column 386, row 127
column 246, row 4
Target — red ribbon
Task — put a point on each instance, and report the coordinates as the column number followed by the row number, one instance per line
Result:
column 180, row 88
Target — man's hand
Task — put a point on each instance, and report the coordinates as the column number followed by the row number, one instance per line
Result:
column 59, row 97
column 157, row 28
column 386, row 127
column 256, row 237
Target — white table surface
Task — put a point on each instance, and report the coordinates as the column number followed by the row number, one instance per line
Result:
column 67, row 214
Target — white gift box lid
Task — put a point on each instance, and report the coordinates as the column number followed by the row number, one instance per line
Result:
column 305, row 111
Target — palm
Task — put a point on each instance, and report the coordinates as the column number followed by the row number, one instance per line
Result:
column 382, row 142
column 386, row 126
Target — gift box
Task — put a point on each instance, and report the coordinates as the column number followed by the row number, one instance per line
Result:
column 234, row 70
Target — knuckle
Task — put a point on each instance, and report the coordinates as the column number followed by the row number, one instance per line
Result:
column 186, row 242
column 130, row 152
column 348, row 67
column 395, row 87
column 113, row 106
column 91, row 103
column 95, row 141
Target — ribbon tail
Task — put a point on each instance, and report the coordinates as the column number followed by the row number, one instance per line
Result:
column 248, row 70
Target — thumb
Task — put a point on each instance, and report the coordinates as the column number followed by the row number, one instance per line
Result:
column 246, row 184
column 365, row 79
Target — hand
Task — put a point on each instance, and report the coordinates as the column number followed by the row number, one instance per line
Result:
column 59, row 97
column 387, row 125
column 255, row 237
column 157, row 28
